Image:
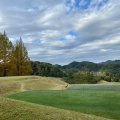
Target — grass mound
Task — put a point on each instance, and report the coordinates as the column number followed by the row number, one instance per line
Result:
column 18, row 110
column 22, row 83
column 8, row 87
column 100, row 103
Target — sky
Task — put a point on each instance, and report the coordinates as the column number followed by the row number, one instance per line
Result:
column 62, row 31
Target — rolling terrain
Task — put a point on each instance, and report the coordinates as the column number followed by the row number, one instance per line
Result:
column 102, row 102
column 14, row 109
column 22, row 83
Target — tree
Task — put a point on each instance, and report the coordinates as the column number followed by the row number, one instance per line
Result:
column 5, row 51
column 20, row 61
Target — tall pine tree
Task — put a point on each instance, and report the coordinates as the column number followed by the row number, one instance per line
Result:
column 20, row 61
column 5, row 51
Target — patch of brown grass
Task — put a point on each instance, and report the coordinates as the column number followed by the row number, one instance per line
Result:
column 23, row 83
column 44, row 83
column 8, row 87
column 105, row 82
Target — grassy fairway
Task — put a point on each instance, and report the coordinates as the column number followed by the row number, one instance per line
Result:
column 100, row 103
column 108, row 87
column 20, row 110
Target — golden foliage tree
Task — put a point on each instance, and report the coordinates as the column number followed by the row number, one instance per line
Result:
column 20, row 61
column 5, row 52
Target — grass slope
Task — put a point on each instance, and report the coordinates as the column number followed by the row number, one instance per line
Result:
column 100, row 103
column 18, row 110
column 22, row 83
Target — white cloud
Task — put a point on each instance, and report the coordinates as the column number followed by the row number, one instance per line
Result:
column 103, row 50
column 50, row 20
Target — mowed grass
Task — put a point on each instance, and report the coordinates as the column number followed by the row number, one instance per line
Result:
column 19, row 110
column 104, row 87
column 100, row 103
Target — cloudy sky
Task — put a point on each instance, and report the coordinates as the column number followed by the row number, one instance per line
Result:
column 62, row 31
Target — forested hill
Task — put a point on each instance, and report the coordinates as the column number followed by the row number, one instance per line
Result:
column 112, row 66
column 80, row 66
column 80, row 72
column 111, row 62
column 47, row 69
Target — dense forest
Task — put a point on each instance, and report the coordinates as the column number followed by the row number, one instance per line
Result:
column 89, row 72
column 80, row 72
column 46, row 69
column 14, row 61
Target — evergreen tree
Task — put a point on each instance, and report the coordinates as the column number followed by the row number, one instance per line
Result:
column 5, row 51
column 20, row 61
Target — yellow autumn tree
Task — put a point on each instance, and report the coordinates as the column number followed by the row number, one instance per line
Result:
column 20, row 62
column 5, row 52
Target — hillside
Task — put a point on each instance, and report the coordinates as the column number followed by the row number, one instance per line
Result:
column 87, row 72
column 110, row 66
column 47, row 69
column 14, row 110
column 111, row 62
column 82, row 65
column 22, row 83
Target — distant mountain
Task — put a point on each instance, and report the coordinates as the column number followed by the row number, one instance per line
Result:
column 47, row 69
column 78, row 71
column 79, row 66
column 108, row 66
column 111, row 62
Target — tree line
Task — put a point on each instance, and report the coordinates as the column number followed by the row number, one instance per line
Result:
column 14, row 60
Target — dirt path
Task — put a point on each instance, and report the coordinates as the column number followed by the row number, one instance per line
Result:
column 22, row 88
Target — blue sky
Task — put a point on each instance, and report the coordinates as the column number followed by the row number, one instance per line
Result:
column 62, row 31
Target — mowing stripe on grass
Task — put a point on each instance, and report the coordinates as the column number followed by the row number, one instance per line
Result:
column 100, row 103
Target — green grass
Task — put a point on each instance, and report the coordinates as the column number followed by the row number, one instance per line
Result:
column 20, row 110
column 109, row 87
column 101, row 103
column 51, row 105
